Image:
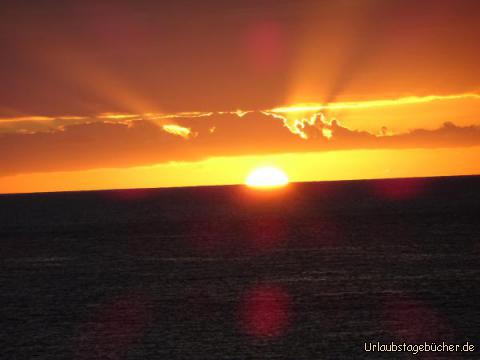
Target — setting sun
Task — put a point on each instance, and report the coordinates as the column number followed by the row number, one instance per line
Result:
column 266, row 177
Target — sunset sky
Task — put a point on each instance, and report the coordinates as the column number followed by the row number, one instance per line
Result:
column 125, row 94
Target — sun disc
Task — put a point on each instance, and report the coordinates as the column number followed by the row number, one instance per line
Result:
column 266, row 177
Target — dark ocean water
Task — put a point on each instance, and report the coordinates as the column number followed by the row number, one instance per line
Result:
column 310, row 272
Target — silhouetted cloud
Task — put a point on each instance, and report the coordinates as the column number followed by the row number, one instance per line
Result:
column 130, row 142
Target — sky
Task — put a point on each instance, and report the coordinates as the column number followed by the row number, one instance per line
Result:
column 126, row 94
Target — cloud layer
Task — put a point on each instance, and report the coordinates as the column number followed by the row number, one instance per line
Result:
column 130, row 141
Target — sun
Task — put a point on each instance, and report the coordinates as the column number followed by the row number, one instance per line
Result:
column 266, row 177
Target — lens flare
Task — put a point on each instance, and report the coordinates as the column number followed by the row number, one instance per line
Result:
column 264, row 311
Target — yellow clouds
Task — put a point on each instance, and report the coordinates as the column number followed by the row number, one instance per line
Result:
column 48, row 143
column 116, row 116
column 408, row 100
column 101, row 144
column 300, row 125
column 397, row 115
column 328, row 133
column 177, row 130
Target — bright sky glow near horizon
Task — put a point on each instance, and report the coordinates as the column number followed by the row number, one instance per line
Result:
column 121, row 94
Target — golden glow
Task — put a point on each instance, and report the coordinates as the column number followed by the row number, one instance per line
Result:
column 297, row 125
column 115, row 116
column 72, row 117
column 188, row 114
column 328, row 133
column 266, row 177
column 398, row 115
column 26, row 118
column 372, row 103
column 177, row 130
column 241, row 113
column 332, row 165
column 427, row 112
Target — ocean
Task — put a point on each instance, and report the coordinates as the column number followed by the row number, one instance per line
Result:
column 312, row 271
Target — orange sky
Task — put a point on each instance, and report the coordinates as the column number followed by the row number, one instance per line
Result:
column 141, row 93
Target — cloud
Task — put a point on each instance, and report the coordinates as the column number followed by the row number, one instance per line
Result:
column 126, row 142
column 177, row 130
column 341, row 105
